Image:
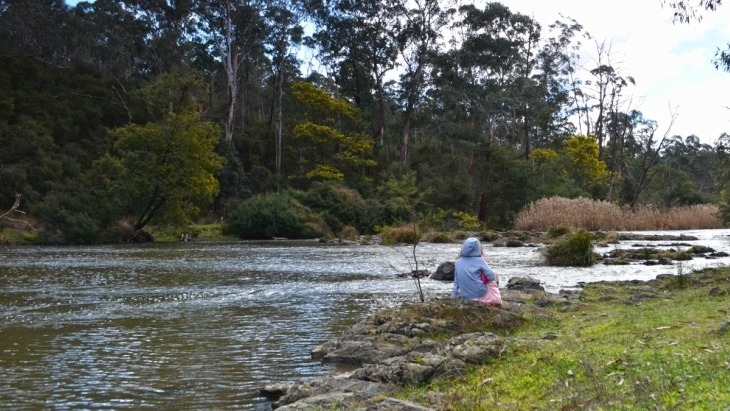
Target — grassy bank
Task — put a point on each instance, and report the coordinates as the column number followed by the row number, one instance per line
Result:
column 658, row 345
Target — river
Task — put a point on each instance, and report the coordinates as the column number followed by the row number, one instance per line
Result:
column 195, row 326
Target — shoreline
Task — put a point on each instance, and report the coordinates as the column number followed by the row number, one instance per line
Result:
column 418, row 344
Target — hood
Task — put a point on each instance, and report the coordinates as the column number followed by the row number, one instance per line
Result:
column 471, row 248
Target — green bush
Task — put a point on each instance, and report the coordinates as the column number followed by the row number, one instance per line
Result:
column 274, row 215
column 575, row 250
column 440, row 237
column 405, row 234
column 342, row 206
column 556, row 231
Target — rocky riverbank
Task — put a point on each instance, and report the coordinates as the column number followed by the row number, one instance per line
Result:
column 419, row 344
column 414, row 344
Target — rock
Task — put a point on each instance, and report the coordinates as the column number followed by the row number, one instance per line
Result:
column 524, row 283
column 474, row 348
column 508, row 242
column 323, row 393
column 700, row 249
column 444, row 272
column 276, row 390
column 414, row 274
column 363, row 349
column 411, row 369
column 394, row 404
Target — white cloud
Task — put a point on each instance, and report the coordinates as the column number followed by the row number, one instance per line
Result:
column 670, row 62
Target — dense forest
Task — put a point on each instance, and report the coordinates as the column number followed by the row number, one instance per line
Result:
column 306, row 118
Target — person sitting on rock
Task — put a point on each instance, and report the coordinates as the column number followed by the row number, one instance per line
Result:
column 473, row 277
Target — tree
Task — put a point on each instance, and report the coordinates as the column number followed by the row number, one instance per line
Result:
column 644, row 168
column 357, row 43
column 417, row 44
column 331, row 139
column 285, row 31
column 232, row 31
column 169, row 164
column 404, row 194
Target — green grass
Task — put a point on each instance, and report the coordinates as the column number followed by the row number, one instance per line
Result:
column 17, row 237
column 666, row 352
column 207, row 232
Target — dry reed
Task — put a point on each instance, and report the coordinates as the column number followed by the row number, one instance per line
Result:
column 598, row 215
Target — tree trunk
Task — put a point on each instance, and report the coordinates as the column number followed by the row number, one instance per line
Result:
column 404, row 143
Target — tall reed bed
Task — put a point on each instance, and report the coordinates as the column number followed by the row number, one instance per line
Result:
column 598, row 215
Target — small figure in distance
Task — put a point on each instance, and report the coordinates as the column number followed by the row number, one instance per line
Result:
column 473, row 278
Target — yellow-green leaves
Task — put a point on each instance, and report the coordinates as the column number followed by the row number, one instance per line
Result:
column 329, row 138
column 169, row 167
column 587, row 168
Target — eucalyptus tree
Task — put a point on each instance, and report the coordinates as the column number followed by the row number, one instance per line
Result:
column 643, row 165
column 556, row 64
column 38, row 29
column 283, row 21
column 232, row 31
column 168, row 26
column 697, row 160
column 423, row 25
column 488, row 73
column 356, row 41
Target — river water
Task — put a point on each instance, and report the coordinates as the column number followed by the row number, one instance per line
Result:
column 195, row 326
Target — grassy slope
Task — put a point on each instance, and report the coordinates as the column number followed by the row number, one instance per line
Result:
column 657, row 345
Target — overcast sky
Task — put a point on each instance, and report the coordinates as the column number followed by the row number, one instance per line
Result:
column 671, row 63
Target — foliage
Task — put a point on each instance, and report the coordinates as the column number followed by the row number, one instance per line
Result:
column 588, row 170
column 557, row 231
column 466, row 221
column 403, row 194
column 405, row 234
column 484, row 121
column 333, row 142
column 265, row 216
column 342, row 206
column 573, row 250
column 169, row 168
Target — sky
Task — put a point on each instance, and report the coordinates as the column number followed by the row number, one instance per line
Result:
column 671, row 63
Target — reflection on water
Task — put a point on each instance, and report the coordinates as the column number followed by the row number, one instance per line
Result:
column 204, row 326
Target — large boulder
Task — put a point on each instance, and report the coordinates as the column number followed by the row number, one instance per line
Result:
column 444, row 272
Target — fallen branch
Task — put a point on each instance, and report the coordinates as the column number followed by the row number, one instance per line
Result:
column 13, row 208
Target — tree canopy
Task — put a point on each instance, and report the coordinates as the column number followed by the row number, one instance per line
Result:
column 125, row 113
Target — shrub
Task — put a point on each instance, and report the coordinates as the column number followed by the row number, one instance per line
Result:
column 405, row 234
column 274, row 215
column 489, row 236
column 440, row 237
column 349, row 233
column 342, row 206
column 557, row 231
column 575, row 250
